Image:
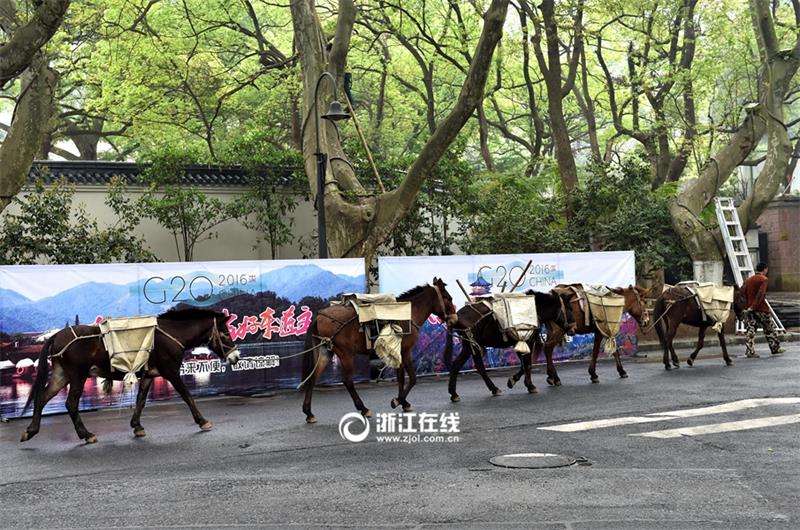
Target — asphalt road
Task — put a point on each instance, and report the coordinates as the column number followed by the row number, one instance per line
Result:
column 262, row 466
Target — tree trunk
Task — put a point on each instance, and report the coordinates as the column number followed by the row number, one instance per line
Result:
column 26, row 40
column 29, row 125
column 704, row 243
column 356, row 221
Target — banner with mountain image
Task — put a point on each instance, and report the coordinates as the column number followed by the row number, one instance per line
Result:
column 487, row 274
column 270, row 306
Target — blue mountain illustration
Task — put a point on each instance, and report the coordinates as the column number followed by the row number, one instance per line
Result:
column 296, row 281
column 92, row 299
column 9, row 298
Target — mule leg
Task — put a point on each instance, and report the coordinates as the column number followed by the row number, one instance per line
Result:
column 455, row 367
column 477, row 359
column 408, row 363
column 73, row 400
column 552, row 374
column 515, row 377
column 527, row 361
column 593, row 362
column 672, row 329
column 58, row 380
column 701, row 335
column 401, row 383
column 728, row 361
column 620, row 370
column 175, row 380
column 321, row 364
column 347, row 379
column 141, row 399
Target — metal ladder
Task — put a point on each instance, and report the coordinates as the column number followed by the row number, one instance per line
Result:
column 738, row 253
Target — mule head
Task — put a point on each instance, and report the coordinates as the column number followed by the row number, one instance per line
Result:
column 221, row 342
column 444, row 308
column 635, row 304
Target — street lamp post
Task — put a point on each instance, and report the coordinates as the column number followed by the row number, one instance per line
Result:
column 335, row 113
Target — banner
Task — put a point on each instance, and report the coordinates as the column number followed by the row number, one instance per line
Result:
column 494, row 273
column 270, row 306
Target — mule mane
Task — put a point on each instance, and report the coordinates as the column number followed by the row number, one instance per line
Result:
column 191, row 313
column 414, row 291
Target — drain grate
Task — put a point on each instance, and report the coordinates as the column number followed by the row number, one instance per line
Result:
column 533, row 460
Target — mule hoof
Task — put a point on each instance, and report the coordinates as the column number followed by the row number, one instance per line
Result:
column 595, row 380
column 139, row 433
column 667, row 367
column 728, row 363
column 676, row 365
column 551, row 381
column 407, row 408
column 496, row 391
column 623, row 375
column 455, row 398
column 533, row 390
column 25, row 436
column 558, row 382
column 91, row 439
column 206, row 426
column 689, row 361
column 367, row 413
column 394, row 403
column 510, row 383
column 311, row 419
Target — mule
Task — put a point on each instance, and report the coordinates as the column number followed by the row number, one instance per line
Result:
column 336, row 329
column 634, row 305
column 678, row 305
column 77, row 352
column 478, row 328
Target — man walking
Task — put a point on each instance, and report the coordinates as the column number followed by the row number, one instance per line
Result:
column 757, row 312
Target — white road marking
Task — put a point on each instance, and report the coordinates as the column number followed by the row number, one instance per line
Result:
column 733, row 406
column 599, row 424
column 730, row 426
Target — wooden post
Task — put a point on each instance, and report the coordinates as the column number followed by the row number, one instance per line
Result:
column 521, row 276
column 364, row 143
column 469, row 298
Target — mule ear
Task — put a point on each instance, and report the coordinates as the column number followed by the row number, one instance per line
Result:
column 617, row 290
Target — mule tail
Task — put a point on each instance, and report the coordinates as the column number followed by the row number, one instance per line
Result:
column 309, row 356
column 42, row 373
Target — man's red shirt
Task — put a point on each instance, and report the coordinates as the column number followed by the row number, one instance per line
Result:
column 753, row 285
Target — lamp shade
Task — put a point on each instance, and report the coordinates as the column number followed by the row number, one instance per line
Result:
column 335, row 112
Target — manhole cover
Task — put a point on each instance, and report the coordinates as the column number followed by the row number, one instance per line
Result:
column 532, row 460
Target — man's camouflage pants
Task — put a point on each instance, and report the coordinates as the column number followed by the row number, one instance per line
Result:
column 752, row 322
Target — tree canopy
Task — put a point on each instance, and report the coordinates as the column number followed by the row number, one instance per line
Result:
column 537, row 110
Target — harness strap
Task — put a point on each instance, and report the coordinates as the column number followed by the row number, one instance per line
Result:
column 76, row 339
column 179, row 343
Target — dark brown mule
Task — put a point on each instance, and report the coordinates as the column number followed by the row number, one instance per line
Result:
column 77, row 352
column 677, row 305
column 478, row 328
column 336, row 329
column 634, row 306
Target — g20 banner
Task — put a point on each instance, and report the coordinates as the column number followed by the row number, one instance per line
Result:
column 270, row 305
column 493, row 273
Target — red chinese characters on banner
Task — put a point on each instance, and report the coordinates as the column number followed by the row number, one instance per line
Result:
column 268, row 323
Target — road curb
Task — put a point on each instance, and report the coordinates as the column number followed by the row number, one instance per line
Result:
column 730, row 340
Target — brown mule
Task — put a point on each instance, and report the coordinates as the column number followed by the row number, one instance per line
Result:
column 78, row 352
column 677, row 305
column 634, row 306
column 336, row 329
column 479, row 329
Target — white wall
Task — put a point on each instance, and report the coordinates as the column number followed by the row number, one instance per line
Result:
column 235, row 242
